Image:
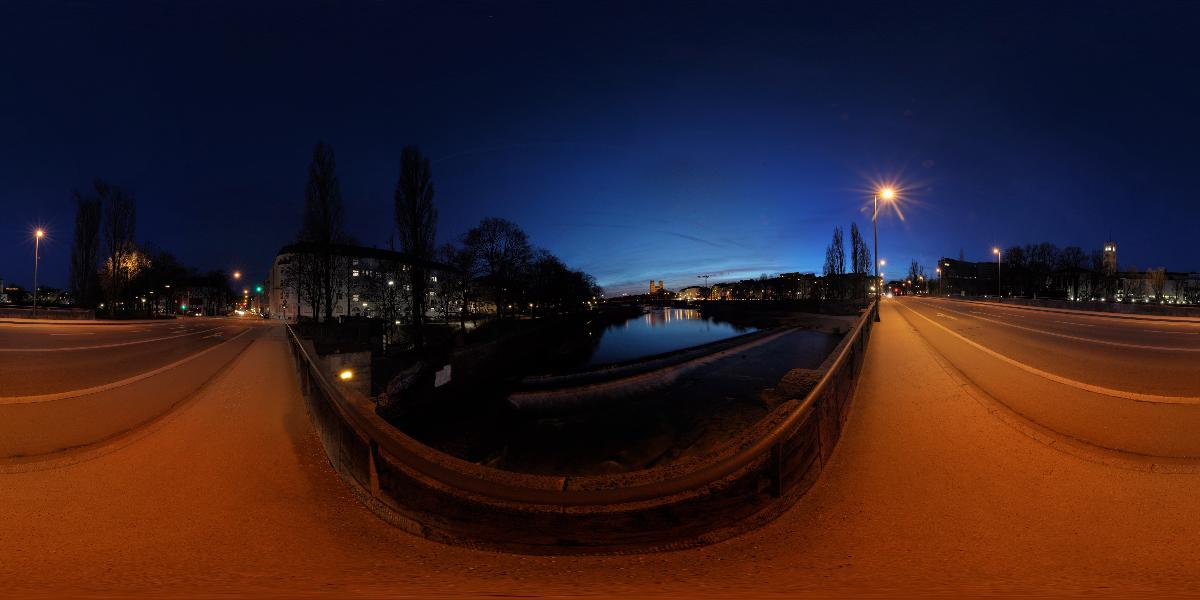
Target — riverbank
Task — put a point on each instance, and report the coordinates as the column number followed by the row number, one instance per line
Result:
column 471, row 417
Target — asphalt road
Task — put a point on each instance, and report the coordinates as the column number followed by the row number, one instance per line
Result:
column 44, row 358
column 1125, row 384
column 68, row 386
column 929, row 492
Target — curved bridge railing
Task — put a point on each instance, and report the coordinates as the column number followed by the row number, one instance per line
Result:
column 750, row 481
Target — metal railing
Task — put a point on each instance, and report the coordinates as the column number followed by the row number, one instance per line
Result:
column 828, row 402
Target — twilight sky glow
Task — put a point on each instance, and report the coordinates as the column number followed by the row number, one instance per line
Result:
column 636, row 143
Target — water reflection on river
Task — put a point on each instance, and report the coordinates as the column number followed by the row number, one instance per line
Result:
column 660, row 330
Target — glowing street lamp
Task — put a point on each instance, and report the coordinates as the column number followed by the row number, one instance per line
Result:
column 888, row 194
column 237, row 274
column 999, row 293
column 37, row 240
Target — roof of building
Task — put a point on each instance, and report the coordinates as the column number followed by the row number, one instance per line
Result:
column 354, row 251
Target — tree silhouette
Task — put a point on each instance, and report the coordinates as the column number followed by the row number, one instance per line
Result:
column 416, row 223
column 120, row 219
column 322, row 228
column 835, row 262
column 860, row 257
column 502, row 253
column 85, row 249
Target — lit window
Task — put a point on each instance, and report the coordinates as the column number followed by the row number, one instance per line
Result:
column 354, row 298
column 354, row 273
column 433, row 278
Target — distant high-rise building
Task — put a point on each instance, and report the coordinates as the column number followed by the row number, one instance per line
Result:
column 660, row 285
column 1110, row 258
column 652, row 289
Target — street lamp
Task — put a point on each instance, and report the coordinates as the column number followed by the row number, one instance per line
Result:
column 887, row 193
column 999, row 293
column 37, row 240
column 237, row 274
column 938, row 270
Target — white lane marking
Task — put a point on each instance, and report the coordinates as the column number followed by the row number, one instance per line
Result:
column 114, row 384
column 89, row 333
column 1085, row 339
column 1074, row 323
column 947, row 316
column 113, row 345
column 1152, row 398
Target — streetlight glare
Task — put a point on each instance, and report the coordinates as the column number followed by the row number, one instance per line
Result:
column 887, row 193
column 237, row 274
column 39, row 233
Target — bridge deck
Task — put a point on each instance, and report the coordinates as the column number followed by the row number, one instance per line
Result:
column 928, row 489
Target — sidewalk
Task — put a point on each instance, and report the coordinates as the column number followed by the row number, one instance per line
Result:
column 926, row 491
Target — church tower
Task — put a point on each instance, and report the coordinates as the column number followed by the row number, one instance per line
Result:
column 1110, row 258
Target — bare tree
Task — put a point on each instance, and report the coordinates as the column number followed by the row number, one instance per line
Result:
column 502, row 252
column 1158, row 282
column 120, row 219
column 1072, row 259
column 916, row 273
column 416, row 222
column 835, row 263
column 322, row 227
column 860, row 257
column 85, row 249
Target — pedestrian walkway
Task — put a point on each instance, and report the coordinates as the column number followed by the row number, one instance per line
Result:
column 926, row 491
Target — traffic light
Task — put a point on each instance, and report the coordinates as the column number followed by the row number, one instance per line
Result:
column 258, row 289
column 183, row 307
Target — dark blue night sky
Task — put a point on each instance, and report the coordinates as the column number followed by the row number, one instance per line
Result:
column 643, row 140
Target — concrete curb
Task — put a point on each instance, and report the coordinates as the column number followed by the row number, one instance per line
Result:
column 141, row 404
column 1062, row 442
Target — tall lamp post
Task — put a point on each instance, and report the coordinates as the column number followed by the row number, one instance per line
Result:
column 938, row 270
column 37, row 239
column 999, row 294
column 887, row 193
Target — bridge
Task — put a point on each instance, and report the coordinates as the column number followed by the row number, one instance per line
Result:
column 989, row 448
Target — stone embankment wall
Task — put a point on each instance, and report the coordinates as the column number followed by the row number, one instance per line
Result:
column 66, row 314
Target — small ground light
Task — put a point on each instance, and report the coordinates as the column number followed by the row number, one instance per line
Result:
column 346, row 375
